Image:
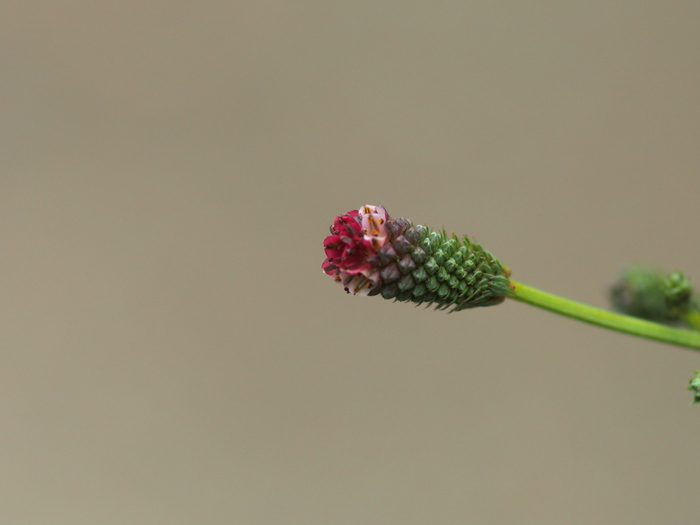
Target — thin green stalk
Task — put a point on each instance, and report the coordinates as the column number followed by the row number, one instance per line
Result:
column 606, row 319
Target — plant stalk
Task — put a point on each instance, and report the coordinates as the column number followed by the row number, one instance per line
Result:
column 604, row 318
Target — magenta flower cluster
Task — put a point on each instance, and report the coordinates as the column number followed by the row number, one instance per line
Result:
column 354, row 240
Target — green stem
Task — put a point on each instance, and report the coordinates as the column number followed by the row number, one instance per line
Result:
column 614, row 321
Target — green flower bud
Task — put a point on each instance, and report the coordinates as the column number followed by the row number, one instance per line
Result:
column 649, row 294
column 694, row 387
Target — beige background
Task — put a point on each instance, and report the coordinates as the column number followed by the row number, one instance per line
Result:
column 170, row 351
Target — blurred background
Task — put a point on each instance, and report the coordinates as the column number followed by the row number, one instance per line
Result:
column 170, row 351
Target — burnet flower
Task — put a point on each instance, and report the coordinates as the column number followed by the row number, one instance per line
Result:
column 651, row 294
column 369, row 253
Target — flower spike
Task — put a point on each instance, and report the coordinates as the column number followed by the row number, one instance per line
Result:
column 651, row 294
column 369, row 253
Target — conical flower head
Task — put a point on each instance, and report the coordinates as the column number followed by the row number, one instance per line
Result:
column 371, row 254
column 651, row 294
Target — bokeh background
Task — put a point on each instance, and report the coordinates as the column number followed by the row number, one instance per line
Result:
column 170, row 351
